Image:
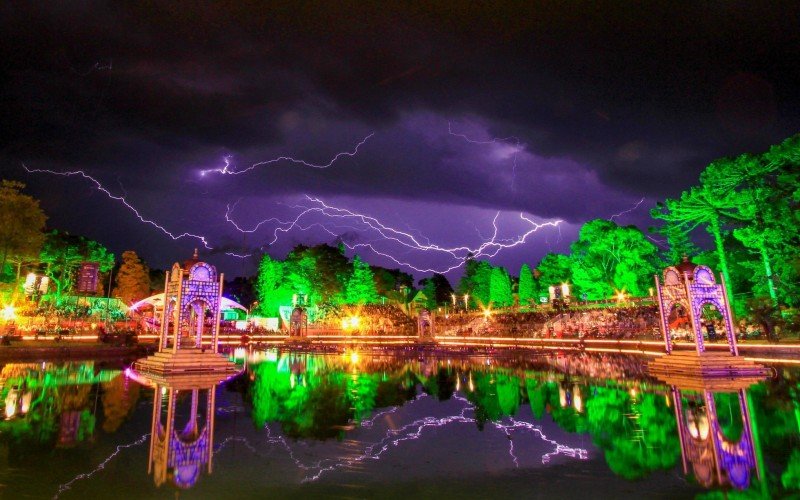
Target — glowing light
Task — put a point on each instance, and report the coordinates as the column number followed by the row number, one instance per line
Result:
column 487, row 313
column 351, row 323
column 8, row 313
column 354, row 357
column 227, row 170
column 620, row 296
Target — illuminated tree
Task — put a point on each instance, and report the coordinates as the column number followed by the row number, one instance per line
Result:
column 525, row 291
column 554, row 269
column 702, row 206
column 607, row 257
column 500, row 294
column 476, row 282
column 678, row 243
column 361, row 286
column 63, row 253
column 300, row 274
column 21, row 225
column 270, row 288
column 133, row 279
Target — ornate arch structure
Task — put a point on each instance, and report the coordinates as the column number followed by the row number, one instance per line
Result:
column 180, row 453
column 692, row 287
column 714, row 458
column 190, row 292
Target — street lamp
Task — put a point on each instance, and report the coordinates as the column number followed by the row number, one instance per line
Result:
column 466, row 301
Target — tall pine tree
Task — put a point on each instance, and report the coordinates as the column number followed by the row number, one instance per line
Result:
column 525, row 291
column 361, row 285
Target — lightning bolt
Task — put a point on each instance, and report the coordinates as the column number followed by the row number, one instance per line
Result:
column 86, row 475
column 121, row 199
column 227, row 170
column 510, row 139
column 385, row 233
column 637, row 205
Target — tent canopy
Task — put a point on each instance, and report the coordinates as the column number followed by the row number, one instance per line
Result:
column 157, row 301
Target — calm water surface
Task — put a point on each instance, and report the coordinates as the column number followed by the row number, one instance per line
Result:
column 375, row 425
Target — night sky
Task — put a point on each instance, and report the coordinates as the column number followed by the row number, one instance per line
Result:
column 556, row 110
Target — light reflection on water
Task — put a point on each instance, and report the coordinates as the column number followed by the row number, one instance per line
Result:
column 296, row 424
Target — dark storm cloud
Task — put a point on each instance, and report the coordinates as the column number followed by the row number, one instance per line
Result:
column 610, row 101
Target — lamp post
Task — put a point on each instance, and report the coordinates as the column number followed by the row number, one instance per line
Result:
column 466, row 301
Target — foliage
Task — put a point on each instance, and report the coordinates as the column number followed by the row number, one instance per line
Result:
column 133, row 278
column 361, row 287
column 476, row 282
column 437, row 289
column 63, row 253
column 270, row 287
column 554, row 269
column 526, row 290
column 500, row 294
column 607, row 257
column 21, row 225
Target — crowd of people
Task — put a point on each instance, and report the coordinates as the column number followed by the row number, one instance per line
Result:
column 617, row 322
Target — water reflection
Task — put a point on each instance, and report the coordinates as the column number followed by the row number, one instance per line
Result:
column 295, row 419
column 717, row 457
column 179, row 452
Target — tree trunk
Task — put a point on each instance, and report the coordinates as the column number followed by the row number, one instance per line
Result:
column 723, row 260
column 768, row 272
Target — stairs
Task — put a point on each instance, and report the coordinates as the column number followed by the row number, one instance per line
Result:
column 708, row 370
column 186, row 362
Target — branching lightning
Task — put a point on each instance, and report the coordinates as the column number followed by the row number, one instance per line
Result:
column 488, row 248
column 227, row 170
column 620, row 214
column 121, row 199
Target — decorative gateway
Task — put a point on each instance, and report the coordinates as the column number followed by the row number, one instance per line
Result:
column 691, row 287
column 192, row 293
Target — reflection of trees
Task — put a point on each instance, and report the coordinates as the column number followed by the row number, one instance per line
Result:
column 119, row 400
column 495, row 395
column 320, row 404
column 50, row 404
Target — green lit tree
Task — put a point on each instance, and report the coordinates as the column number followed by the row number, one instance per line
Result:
column 607, row 257
column 270, row 286
column 62, row 254
column 554, row 269
column 21, row 225
column 361, row 285
column 500, row 294
column 525, row 292
column 476, row 282
column 679, row 243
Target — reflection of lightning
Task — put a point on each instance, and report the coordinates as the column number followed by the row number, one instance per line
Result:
column 488, row 248
column 408, row 432
column 121, row 199
column 227, row 170
column 86, row 475
column 515, row 140
column 637, row 205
